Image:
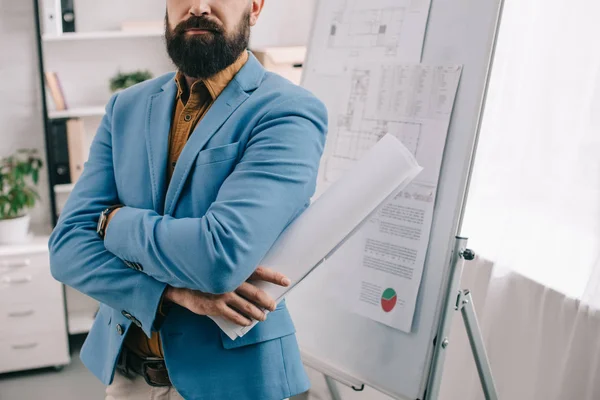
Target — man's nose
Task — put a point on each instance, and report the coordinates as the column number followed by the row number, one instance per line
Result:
column 200, row 7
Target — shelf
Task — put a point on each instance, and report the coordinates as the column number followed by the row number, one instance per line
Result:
column 77, row 113
column 66, row 188
column 80, row 321
column 102, row 35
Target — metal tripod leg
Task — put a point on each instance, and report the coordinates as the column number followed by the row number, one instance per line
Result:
column 476, row 340
column 464, row 303
column 333, row 389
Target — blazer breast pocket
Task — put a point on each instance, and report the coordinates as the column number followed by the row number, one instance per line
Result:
column 218, row 154
column 212, row 168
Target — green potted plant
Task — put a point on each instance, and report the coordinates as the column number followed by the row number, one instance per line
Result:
column 19, row 173
column 124, row 80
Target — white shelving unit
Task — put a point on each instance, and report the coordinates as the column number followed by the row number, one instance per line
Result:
column 101, row 35
column 79, row 112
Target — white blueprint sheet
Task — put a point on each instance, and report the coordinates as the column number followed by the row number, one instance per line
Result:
column 350, row 31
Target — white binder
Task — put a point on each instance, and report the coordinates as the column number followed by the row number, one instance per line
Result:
column 52, row 18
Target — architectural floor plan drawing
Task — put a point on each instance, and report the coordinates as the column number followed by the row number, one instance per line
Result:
column 354, row 31
column 412, row 102
column 356, row 133
column 352, row 28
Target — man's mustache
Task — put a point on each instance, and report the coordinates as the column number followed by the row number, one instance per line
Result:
column 198, row 23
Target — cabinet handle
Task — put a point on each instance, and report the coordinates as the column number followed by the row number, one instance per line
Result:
column 16, row 281
column 18, row 314
column 17, row 264
column 24, row 346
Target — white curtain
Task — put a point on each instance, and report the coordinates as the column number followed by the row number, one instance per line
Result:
column 534, row 203
column 542, row 345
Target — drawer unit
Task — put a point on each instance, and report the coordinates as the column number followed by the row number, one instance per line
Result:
column 33, row 331
column 17, row 319
column 27, row 277
column 34, row 350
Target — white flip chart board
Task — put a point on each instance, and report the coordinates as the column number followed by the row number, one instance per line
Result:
column 355, row 349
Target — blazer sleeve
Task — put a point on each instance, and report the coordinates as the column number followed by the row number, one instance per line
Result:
column 272, row 183
column 78, row 257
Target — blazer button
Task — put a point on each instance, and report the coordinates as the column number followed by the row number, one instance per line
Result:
column 120, row 330
column 136, row 321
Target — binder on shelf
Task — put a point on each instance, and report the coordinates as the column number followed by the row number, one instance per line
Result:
column 56, row 91
column 52, row 17
column 59, row 152
column 68, row 15
column 75, row 147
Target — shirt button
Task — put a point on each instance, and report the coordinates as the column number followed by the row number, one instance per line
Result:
column 120, row 330
column 187, row 118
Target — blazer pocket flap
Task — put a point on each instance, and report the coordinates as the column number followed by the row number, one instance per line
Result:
column 278, row 324
column 216, row 154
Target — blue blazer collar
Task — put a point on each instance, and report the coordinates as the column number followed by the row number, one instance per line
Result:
column 158, row 123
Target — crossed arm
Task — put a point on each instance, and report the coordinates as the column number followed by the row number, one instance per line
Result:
column 215, row 253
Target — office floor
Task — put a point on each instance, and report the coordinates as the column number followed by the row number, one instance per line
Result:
column 75, row 382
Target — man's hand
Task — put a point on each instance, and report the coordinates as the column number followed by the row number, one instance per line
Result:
column 240, row 307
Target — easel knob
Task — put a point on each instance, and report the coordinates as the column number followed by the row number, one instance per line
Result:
column 468, row 254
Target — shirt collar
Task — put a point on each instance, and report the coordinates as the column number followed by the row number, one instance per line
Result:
column 216, row 83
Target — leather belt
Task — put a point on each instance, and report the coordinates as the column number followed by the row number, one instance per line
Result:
column 153, row 370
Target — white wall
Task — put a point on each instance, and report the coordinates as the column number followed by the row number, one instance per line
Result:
column 283, row 23
column 94, row 15
column 20, row 106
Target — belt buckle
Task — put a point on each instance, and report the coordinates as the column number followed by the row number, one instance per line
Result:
column 152, row 362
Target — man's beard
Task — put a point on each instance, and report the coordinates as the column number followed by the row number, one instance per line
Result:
column 202, row 56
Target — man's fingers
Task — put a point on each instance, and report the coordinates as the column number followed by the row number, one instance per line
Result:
column 269, row 275
column 256, row 296
column 234, row 316
column 245, row 307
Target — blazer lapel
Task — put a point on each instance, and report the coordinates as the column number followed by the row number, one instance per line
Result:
column 158, row 124
column 230, row 99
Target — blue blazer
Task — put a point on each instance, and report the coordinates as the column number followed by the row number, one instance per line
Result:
column 247, row 171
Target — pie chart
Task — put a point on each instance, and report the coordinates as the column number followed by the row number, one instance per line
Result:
column 388, row 300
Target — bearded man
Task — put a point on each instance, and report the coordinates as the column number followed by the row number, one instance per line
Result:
column 191, row 178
